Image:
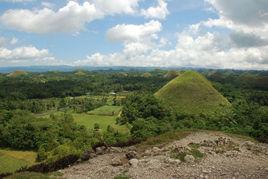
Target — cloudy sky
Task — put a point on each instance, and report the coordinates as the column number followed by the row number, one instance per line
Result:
column 156, row 33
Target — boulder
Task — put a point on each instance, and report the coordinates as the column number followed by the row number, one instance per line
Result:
column 100, row 150
column 172, row 161
column 132, row 154
column 116, row 162
column 189, row 158
column 115, row 149
column 134, row 162
column 86, row 155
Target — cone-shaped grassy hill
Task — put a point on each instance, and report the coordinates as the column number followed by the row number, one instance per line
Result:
column 17, row 73
column 192, row 93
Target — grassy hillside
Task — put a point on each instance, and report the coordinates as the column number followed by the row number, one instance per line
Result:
column 11, row 161
column 192, row 93
column 17, row 73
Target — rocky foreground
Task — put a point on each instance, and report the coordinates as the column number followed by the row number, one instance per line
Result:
column 199, row 155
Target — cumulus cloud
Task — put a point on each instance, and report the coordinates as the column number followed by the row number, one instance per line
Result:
column 26, row 55
column 242, row 39
column 247, row 16
column 247, row 12
column 158, row 12
column 136, row 38
column 192, row 50
column 132, row 32
column 70, row 18
column 116, row 6
column 23, row 55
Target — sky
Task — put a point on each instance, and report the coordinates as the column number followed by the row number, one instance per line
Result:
column 225, row 34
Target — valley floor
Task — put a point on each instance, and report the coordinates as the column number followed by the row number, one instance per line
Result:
column 198, row 155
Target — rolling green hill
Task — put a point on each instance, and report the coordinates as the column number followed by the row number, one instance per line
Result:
column 17, row 73
column 191, row 93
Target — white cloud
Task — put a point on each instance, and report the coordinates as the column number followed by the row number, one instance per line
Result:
column 131, row 32
column 10, row 55
column 192, row 50
column 247, row 12
column 158, row 12
column 23, row 53
column 246, row 16
column 26, row 55
column 116, row 6
column 70, row 18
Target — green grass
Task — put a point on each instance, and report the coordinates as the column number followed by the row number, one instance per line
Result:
column 106, row 111
column 34, row 175
column 104, row 116
column 11, row 161
column 122, row 176
column 191, row 93
column 104, row 121
column 192, row 151
column 163, row 139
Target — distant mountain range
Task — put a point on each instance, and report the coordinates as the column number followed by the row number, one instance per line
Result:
column 65, row 68
column 73, row 68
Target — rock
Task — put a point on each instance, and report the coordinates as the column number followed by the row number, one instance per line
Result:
column 132, row 148
column 206, row 171
column 132, row 154
column 231, row 154
column 134, row 162
column 147, row 152
column 189, row 158
column 115, row 149
column 100, row 150
column 154, row 163
column 156, row 149
column 116, row 162
column 172, row 161
column 92, row 155
column 86, row 155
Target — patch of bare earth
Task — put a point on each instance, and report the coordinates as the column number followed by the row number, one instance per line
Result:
column 199, row 155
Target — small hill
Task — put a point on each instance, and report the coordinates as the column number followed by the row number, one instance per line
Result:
column 146, row 75
column 17, row 73
column 80, row 73
column 171, row 74
column 192, row 93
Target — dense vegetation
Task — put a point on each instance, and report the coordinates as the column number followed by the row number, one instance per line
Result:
column 56, row 114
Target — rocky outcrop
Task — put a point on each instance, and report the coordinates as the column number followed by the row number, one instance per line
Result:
column 199, row 155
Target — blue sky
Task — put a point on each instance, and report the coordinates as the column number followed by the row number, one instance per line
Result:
column 196, row 33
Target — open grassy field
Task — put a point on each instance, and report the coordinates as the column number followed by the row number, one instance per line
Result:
column 104, row 116
column 106, row 111
column 11, row 161
column 104, row 121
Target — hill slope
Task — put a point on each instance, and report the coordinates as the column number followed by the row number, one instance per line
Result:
column 192, row 93
column 17, row 73
column 211, row 154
